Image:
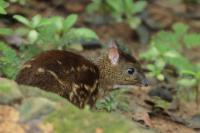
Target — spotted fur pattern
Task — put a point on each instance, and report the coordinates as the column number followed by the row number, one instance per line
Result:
column 64, row 73
column 111, row 75
column 79, row 80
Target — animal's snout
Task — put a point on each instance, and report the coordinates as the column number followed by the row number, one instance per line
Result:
column 145, row 82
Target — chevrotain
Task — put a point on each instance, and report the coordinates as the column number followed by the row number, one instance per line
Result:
column 80, row 80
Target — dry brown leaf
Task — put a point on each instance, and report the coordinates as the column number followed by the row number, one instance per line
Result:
column 142, row 115
column 99, row 130
column 46, row 127
column 10, row 127
column 8, row 113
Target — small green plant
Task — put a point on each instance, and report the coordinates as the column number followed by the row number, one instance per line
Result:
column 120, row 10
column 32, row 26
column 4, row 31
column 191, row 78
column 56, row 30
column 39, row 34
column 109, row 104
column 51, row 33
column 116, row 100
column 9, row 61
column 3, row 5
column 167, row 47
column 156, row 69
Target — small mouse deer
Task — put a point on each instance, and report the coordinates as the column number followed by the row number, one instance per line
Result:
column 78, row 79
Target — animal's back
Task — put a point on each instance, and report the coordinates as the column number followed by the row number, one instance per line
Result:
column 68, row 74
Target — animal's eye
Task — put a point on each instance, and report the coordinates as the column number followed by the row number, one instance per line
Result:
column 131, row 71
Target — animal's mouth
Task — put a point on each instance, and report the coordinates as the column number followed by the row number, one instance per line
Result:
column 142, row 83
column 145, row 82
column 127, row 86
column 138, row 84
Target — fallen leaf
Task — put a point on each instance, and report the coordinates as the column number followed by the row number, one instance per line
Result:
column 99, row 130
column 141, row 115
column 8, row 113
column 10, row 127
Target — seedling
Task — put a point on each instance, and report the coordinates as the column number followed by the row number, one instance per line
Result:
column 9, row 61
column 3, row 5
column 167, row 48
column 191, row 78
column 120, row 10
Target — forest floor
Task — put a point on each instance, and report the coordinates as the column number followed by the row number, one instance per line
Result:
column 166, row 121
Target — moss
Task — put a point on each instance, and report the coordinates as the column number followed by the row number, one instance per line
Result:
column 71, row 119
column 9, row 91
column 64, row 116
column 29, row 91
column 5, row 87
column 35, row 107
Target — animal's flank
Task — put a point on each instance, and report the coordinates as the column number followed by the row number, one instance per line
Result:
column 79, row 80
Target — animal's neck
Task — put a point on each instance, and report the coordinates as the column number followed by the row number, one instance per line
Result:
column 106, row 82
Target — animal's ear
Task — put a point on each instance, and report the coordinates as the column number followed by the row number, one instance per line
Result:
column 113, row 53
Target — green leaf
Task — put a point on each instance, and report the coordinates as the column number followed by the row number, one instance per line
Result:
column 160, row 77
column 70, row 21
column 189, row 72
column 151, row 67
column 115, row 5
column 187, row 82
column 36, row 21
column 139, row 6
column 2, row 10
column 134, row 22
column 7, row 51
column 3, row 5
column 179, row 61
column 156, row 69
column 180, row 28
column 128, row 6
column 160, row 63
column 47, row 34
column 192, row 40
column 23, row 20
column 168, row 40
column 44, row 22
column 151, row 54
column 80, row 33
column 9, row 61
column 6, row 31
column 58, row 23
column 162, row 47
column 94, row 6
column 30, row 51
column 172, row 54
column 32, row 36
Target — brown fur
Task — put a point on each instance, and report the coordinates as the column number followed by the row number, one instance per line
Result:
column 117, row 75
column 58, row 71
column 76, row 78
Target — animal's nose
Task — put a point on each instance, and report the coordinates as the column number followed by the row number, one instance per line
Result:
column 145, row 82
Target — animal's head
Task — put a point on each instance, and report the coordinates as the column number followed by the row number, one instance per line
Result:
column 120, row 68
